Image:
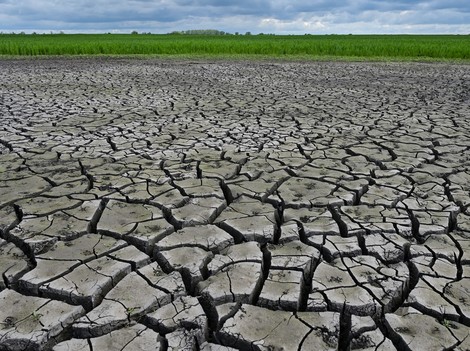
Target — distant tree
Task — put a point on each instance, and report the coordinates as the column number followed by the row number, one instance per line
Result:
column 201, row 32
column 134, row 32
column 236, row 33
column 248, row 33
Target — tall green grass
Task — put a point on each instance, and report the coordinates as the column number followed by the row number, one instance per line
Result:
column 365, row 46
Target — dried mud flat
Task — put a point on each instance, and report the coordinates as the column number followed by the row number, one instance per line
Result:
column 167, row 205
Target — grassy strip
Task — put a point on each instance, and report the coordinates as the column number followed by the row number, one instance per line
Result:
column 402, row 47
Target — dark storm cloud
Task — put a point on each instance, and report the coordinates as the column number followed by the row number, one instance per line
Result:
column 293, row 16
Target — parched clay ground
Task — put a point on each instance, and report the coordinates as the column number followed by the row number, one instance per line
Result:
column 167, row 205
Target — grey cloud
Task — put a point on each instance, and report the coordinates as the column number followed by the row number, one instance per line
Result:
column 161, row 15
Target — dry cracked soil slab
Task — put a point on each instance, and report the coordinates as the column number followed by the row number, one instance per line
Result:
column 195, row 205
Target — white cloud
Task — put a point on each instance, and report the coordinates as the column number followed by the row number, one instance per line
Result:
column 275, row 16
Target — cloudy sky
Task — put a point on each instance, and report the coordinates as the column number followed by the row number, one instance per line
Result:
column 256, row 16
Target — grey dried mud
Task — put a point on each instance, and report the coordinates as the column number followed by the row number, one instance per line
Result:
column 180, row 205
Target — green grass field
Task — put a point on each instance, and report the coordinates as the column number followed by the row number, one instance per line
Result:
column 399, row 47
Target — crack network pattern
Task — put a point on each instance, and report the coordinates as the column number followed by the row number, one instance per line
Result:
column 177, row 205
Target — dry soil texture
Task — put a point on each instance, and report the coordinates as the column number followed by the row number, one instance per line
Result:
column 166, row 205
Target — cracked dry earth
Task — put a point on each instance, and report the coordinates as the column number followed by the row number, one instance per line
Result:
column 167, row 205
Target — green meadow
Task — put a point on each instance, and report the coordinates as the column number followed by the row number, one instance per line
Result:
column 392, row 47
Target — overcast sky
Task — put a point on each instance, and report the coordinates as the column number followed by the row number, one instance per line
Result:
column 256, row 16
